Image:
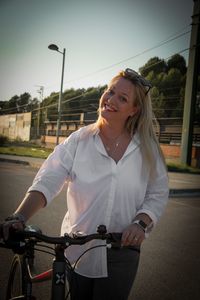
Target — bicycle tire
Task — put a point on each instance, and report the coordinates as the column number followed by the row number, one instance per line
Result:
column 16, row 284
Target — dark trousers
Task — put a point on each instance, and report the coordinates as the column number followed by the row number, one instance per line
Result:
column 122, row 269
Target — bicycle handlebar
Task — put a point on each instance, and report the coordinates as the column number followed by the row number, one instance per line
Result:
column 21, row 236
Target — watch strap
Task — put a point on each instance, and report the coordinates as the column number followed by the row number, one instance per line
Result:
column 141, row 224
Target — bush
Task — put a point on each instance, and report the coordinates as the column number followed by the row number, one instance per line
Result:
column 3, row 140
column 173, row 167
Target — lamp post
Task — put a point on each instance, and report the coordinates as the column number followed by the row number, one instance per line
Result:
column 55, row 48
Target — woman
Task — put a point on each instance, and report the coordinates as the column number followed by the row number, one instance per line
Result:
column 117, row 177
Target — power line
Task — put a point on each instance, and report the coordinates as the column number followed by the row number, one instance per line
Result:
column 171, row 88
column 186, row 49
column 169, row 39
column 76, row 97
column 132, row 57
column 167, row 109
column 16, row 107
column 19, row 98
column 71, row 99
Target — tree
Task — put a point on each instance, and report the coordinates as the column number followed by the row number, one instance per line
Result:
column 13, row 104
column 17, row 104
column 154, row 64
column 24, row 102
column 169, row 79
column 157, row 102
column 4, row 107
column 71, row 101
column 171, row 92
column 177, row 62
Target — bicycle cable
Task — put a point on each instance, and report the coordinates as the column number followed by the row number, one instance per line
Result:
column 98, row 246
column 73, row 268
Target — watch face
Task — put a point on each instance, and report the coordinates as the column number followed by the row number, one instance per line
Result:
column 142, row 224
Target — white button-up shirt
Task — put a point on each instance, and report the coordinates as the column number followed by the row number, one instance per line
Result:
column 101, row 191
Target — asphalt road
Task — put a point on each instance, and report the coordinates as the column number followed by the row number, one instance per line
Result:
column 170, row 260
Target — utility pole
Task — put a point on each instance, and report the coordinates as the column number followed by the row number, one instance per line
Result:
column 41, row 93
column 191, row 87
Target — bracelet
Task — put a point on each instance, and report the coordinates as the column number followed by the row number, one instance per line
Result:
column 17, row 217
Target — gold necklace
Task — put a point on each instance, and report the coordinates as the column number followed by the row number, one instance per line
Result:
column 111, row 149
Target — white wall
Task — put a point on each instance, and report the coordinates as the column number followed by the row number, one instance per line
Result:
column 16, row 126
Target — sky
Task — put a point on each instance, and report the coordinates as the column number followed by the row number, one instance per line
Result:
column 101, row 37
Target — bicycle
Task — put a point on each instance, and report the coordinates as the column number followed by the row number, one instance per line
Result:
column 24, row 244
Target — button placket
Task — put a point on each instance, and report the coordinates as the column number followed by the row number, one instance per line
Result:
column 111, row 195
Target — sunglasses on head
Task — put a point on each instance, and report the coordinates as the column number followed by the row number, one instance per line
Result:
column 135, row 77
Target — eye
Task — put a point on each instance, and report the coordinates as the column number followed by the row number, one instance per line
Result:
column 123, row 99
column 110, row 91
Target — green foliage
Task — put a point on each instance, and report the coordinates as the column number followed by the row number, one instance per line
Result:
column 154, row 64
column 26, row 151
column 90, row 100
column 167, row 77
column 74, row 102
column 71, row 101
column 18, row 104
column 177, row 62
column 32, row 150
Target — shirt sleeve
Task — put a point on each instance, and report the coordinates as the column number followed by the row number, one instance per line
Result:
column 56, row 169
column 157, row 192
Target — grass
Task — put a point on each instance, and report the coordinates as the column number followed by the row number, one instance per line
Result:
column 26, row 151
column 32, row 150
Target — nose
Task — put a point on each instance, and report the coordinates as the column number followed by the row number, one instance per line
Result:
column 111, row 99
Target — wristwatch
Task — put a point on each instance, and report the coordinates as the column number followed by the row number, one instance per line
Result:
column 142, row 224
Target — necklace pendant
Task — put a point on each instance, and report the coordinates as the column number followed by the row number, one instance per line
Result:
column 107, row 148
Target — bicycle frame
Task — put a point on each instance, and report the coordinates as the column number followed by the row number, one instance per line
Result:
column 57, row 274
column 24, row 243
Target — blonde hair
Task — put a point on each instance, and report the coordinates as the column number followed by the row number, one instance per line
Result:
column 142, row 122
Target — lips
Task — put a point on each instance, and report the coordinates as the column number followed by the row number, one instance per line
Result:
column 109, row 108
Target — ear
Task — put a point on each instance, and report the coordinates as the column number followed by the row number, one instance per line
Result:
column 134, row 111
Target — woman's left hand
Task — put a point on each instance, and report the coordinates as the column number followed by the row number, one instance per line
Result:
column 133, row 235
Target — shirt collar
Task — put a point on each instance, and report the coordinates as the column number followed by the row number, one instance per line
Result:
column 134, row 143
column 135, row 139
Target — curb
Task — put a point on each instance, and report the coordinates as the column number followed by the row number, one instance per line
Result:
column 16, row 161
column 22, row 162
column 175, row 193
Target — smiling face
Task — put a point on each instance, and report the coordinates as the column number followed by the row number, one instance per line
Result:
column 117, row 102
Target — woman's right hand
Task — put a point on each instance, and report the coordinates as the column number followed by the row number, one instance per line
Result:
column 15, row 222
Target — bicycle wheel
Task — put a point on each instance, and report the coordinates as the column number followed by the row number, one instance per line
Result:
column 16, row 285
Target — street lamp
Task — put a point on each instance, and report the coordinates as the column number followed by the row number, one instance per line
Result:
column 55, row 48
